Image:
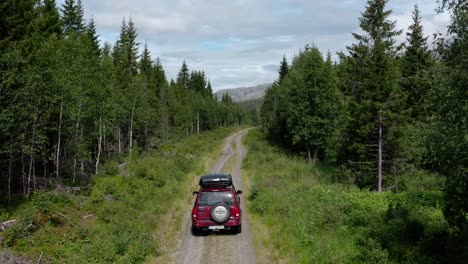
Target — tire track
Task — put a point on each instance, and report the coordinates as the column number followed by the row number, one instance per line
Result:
column 222, row 247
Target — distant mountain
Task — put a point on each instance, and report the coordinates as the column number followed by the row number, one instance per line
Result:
column 243, row 94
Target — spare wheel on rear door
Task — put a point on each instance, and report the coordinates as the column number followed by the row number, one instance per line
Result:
column 220, row 212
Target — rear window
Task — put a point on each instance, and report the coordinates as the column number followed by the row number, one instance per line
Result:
column 210, row 198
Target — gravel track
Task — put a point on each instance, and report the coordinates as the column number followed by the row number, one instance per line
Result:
column 222, row 247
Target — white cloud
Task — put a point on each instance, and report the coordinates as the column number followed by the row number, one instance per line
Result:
column 238, row 42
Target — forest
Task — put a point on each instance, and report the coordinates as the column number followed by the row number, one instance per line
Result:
column 385, row 113
column 375, row 143
column 68, row 102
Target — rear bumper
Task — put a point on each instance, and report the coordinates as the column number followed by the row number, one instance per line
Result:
column 205, row 224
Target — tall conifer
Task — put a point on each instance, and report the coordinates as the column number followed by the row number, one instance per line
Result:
column 375, row 99
column 417, row 60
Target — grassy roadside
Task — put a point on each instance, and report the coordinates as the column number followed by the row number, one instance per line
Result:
column 300, row 215
column 172, row 228
column 123, row 218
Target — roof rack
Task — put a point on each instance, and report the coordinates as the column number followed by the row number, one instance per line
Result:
column 216, row 180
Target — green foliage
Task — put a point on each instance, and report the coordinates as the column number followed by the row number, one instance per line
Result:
column 449, row 140
column 48, row 202
column 67, row 105
column 311, row 219
column 416, row 62
column 283, row 70
column 116, row 222
column 374, row 98
column 304, row 104
column 72, row 16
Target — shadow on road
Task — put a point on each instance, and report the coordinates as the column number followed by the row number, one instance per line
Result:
column 206, row 233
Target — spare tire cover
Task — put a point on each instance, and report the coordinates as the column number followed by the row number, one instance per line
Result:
column 220, row 212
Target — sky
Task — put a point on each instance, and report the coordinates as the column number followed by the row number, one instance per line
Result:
column 240, row 43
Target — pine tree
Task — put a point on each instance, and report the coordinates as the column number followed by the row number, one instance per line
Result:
column 308, row 103
column 375, row 99
column 416, row 62
column 125, row 53
column 93, row 37
column 16, row 19
column 50, row 19
column 283, row 70
column 209, row 90
column 145, row 65
column 72, row 16
column 17, row 24
column 159, row 74
column 118, row 49
column 197, row 82
column 131, row 49
column 268, row 112
column 449, row 141
column 183, row 77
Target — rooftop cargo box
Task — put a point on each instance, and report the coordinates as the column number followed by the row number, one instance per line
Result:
column 215, row 180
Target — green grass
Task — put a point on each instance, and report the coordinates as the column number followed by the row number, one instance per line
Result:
column 311, row 219
column 115, row 221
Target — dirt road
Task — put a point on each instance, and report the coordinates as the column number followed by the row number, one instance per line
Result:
column 222, row 247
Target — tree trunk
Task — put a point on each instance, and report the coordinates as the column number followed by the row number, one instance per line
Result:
column 23, row 174
column 31, row 159
column 165, row 122
column 44, row 161
column 98, row 156
column 10, row 172
column 106, row 143
column 315, row 156
column 309, row 157
column 74, row 170
column 145, row 141
column 82, row 161
column 82, row 168
column 198, row 122
column 379, row 185
column 57, row 157
column 118, row 136
column 131, row 129
column 77, row 137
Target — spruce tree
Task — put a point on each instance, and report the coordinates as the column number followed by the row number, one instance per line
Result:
column 416, row 62
column 308, row 103
column 197, row 82
column 131, row 49
column 93, row 37
column 50, row 19
column 283, row 70
column 268, row 112
column 125, row 53
column 375, row 99
column 209, row 90
column 449, row 139
column 183, row 77
column 159, row 74
column 72, row 16
column 118, row 49
column 145, row 65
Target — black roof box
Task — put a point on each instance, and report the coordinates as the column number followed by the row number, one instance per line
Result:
column 216, row 180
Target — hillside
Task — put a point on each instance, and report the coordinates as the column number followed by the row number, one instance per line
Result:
column 242, row 94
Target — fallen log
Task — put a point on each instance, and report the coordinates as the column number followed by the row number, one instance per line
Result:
column 7, row 224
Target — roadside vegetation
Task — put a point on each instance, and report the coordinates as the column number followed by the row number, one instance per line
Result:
column 308, row 217
column 68, row 103
column 388, row 118
column 112, row 220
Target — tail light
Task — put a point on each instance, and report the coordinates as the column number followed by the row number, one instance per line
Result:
column 237, row 211
column 194, row 213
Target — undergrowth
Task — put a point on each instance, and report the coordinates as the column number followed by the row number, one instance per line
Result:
column 312, row 219
column 114, row 220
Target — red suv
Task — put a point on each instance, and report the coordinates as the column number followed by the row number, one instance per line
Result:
column 217, row 206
